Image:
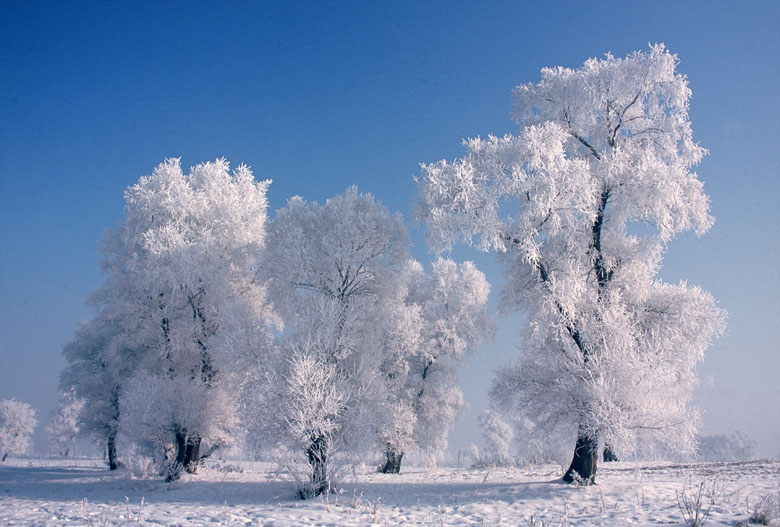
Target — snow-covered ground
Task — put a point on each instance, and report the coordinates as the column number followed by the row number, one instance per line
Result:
column 55, row 493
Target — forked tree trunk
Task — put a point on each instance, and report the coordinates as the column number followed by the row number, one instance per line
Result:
column 317, row 454
column 393, row 463
column 583, row 464
column 174, row 471
column 187, row 455
column 609, row 454
column 113, row 461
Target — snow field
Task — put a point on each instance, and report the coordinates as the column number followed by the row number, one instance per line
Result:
column 52, row 495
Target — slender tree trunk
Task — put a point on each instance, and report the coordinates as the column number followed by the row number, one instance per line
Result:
column 583, row 464
column 5, row 456
column 113, row 461
column 317, row 454
column 113, row 429
column 393, row 463
column 609, row 454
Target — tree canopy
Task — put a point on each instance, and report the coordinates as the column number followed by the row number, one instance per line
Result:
column 579, row 205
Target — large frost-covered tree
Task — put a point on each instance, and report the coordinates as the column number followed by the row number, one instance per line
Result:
column 580, row 204
column 182, row 296
column 331, row 268
column 438, row 318
column 17, row 422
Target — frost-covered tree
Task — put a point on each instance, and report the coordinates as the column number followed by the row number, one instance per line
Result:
column 65, row 421
column 441, row 316
column 318, row 406
column 580, row 205
column 498, row 436
column 331, row 267
column 99, row 364
column 17, row 423
column 184, row 301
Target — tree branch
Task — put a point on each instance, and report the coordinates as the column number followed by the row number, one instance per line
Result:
column 584, row 141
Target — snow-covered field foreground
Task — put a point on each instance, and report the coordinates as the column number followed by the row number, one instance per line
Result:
column 43, row 493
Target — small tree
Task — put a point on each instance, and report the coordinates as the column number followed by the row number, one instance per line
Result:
column 580, row 205
column 17, row 423
column 315, row 401
column 439, row 319
column 64, row 424
column 101, row 357
column 498, row 437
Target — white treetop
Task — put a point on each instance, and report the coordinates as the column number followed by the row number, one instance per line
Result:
column 17, row 422
column 580, row 204
column 347, row 248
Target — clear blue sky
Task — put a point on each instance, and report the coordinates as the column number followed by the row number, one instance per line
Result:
column 321, row 95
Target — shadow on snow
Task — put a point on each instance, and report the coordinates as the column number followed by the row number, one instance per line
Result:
column 72, row 484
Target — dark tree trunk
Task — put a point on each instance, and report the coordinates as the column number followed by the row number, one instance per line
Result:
column 609, row 454
column 113, row 428
column 583, row 464
column 317, row 454
column 4, row 457
column 187, row 455
column 113, row 461
column 192, row 455
column 393, row 463
column 174, row 471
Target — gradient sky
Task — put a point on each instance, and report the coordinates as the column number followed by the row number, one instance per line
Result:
column 321, row 95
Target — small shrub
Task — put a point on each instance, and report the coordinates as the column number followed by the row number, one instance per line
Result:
column 696, row 501
column 766, row 510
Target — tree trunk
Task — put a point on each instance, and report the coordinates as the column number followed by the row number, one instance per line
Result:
column 174, row 471
column 393, row 463
column 113, row 462
column 317, row 454
column 583, row 464
column 609, row 454
column 187, row 455
column 5, row 456
column 192, row 455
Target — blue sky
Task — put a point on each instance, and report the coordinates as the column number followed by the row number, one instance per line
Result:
column 321, row 95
